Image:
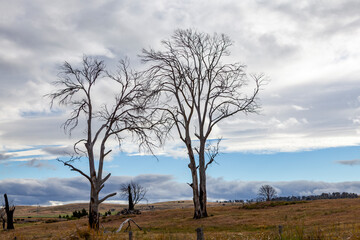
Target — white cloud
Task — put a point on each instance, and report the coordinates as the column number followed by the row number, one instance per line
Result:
column 299, row 108
column 288, row 143
column 309, row 51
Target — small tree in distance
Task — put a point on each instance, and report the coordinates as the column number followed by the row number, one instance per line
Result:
column 267, row 192
column 133, row 192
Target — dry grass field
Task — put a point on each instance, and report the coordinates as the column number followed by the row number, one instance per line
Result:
column 320, row 219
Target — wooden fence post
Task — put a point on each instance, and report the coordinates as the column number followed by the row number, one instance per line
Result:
column 280, row 231
column 200, row 234
column 130, row 235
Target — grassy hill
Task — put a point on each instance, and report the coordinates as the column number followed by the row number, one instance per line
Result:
column 320, row 219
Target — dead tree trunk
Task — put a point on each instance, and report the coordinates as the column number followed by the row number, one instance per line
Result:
column 196, row 200
column 195, row 184
column 94, row 220
column 9, row 214
column 131, row 202
column 202, row 176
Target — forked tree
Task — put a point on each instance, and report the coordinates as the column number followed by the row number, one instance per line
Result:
column 103, row 121
column 198, row 92
column 267, row 192
column 133, row 192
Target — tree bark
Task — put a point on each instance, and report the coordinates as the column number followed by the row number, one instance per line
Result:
column 9, row 214
column 94, row 220
column 195, row 184
column 202, row 173
column 131, row 202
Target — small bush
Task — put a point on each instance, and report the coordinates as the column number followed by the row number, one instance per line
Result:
column 51, row 220
column 79, row 214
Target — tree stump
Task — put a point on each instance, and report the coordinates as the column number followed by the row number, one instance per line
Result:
column 200, row 234
column 9, row 214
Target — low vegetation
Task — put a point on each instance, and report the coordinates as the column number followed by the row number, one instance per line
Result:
column 321, row 219
column 262, row 205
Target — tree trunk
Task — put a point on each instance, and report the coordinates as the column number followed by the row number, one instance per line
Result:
column 202, row 173
column 195, row 184
column 131, row 202
column 94, row 220
column 195, row 187
column 9, row 213
column 203, row 195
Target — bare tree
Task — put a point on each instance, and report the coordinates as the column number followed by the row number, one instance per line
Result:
column 103, row 121
column 9, row 213
column 133, row 192
column 267, row 192
column 199, row 92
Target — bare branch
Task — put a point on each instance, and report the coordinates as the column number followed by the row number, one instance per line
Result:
column 76, row 149
column 105, row 178
column 106, row 197
column 72, row 168
column 212, row 152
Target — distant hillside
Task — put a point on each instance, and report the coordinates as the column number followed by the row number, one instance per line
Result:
column 321, row 219
column 34, row 211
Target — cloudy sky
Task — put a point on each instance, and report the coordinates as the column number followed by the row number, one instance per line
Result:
column 304, row 141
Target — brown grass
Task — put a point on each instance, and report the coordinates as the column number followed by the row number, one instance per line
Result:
column 321, row 219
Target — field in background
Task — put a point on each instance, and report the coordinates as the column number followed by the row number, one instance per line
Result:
column 320, row 219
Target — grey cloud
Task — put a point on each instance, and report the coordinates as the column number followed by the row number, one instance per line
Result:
column 328, row 106
column 276, row 50
column 39, row 164
column 59, row 151
column 31, row 191
column 52, row 32
column 37, row 131
column 349, row 162
column 332, row 113
column 330, row 18
column 160, row 188
column 5, row 156
column 218, row 188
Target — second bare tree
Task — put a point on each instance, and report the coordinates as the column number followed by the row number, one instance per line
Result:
column 198, row 91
